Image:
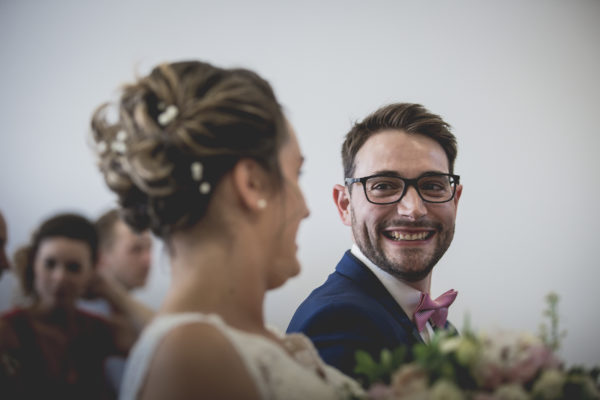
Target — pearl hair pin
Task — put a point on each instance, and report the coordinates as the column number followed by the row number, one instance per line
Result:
column 118, row 147
column 121, row 136
column 167, row 116
column 118, row 144
column 101, row 147
column 196, row 169
column 204, row 187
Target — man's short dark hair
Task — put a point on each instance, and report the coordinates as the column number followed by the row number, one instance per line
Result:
column 406, row 117
column 105, row 225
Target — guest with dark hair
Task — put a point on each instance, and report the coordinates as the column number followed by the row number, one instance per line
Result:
column 10, row 295
column 4, row 264
column 51, row 348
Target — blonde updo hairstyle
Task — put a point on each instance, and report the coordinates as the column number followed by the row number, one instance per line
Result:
column 179, row 130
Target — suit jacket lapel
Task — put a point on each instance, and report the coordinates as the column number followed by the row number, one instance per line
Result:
column 355, row 270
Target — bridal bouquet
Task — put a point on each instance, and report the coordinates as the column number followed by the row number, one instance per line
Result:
column 502, row 366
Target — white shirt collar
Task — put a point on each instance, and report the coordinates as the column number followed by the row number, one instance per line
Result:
column 407, row 297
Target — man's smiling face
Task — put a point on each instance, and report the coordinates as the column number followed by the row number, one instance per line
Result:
column 409, row 237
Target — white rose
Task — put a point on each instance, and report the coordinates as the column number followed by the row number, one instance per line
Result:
column 446, row 390
column 511, row 392
column 549, row 385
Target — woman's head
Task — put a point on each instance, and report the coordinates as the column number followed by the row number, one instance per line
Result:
column 179, row 131
column 288, row 213
column 56, row 266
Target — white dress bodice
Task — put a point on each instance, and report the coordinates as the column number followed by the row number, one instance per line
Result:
column 294, row 373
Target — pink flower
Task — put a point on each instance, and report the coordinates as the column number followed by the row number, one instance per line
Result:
column 511, row 358
column 379, row 391
column 488, row 374
column 534, row 359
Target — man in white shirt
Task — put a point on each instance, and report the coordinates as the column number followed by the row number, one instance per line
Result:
column 124, row 260
column 400, row 198
column 124, row 254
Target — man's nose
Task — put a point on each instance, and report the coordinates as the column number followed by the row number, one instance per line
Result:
column 411, row 205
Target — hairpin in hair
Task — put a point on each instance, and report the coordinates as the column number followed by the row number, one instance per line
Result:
column 118, row 144
column 101, row 147
column 197, row 170
column 167, row 116
column 204, row 187
column 121, row 136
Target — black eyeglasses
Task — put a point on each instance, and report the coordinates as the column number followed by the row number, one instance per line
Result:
column 389, row 189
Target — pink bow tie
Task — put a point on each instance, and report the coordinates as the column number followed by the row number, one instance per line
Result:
column 436, row 310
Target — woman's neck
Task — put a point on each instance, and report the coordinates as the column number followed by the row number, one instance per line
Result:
column 217, row 276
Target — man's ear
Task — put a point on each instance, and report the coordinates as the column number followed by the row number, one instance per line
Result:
column 457, row 195
column 341, row 198
column 251, row 183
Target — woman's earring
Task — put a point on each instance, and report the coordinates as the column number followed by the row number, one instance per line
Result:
column 262, row 204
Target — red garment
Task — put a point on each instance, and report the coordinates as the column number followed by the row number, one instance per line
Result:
column 26, row 374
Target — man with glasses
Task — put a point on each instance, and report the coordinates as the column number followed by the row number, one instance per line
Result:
column 400, row 198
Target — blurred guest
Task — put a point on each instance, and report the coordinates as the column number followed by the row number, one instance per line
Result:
column 124, row 254
column 4, row 265
column 51, row 348
column 124, row 259
column 10, row 294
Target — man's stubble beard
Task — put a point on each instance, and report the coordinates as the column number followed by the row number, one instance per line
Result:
column 403, row 270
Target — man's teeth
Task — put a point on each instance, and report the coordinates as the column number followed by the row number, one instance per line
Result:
column 408, row 236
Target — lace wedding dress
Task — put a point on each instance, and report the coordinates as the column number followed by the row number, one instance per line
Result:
column 277, row 373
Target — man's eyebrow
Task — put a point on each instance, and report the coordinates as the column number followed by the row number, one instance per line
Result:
column 391, row 173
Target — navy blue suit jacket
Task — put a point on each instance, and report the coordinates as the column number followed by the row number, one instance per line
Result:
column 353, row 311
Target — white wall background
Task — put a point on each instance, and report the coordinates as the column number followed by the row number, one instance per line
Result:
column 518, row 80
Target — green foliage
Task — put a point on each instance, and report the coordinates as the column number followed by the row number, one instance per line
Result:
column 432, row 358
column 493, row 366
column 379, row 371
column 551, row 334
column 443, row 364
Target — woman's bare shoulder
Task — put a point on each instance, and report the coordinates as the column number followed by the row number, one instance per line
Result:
column 198, row 360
